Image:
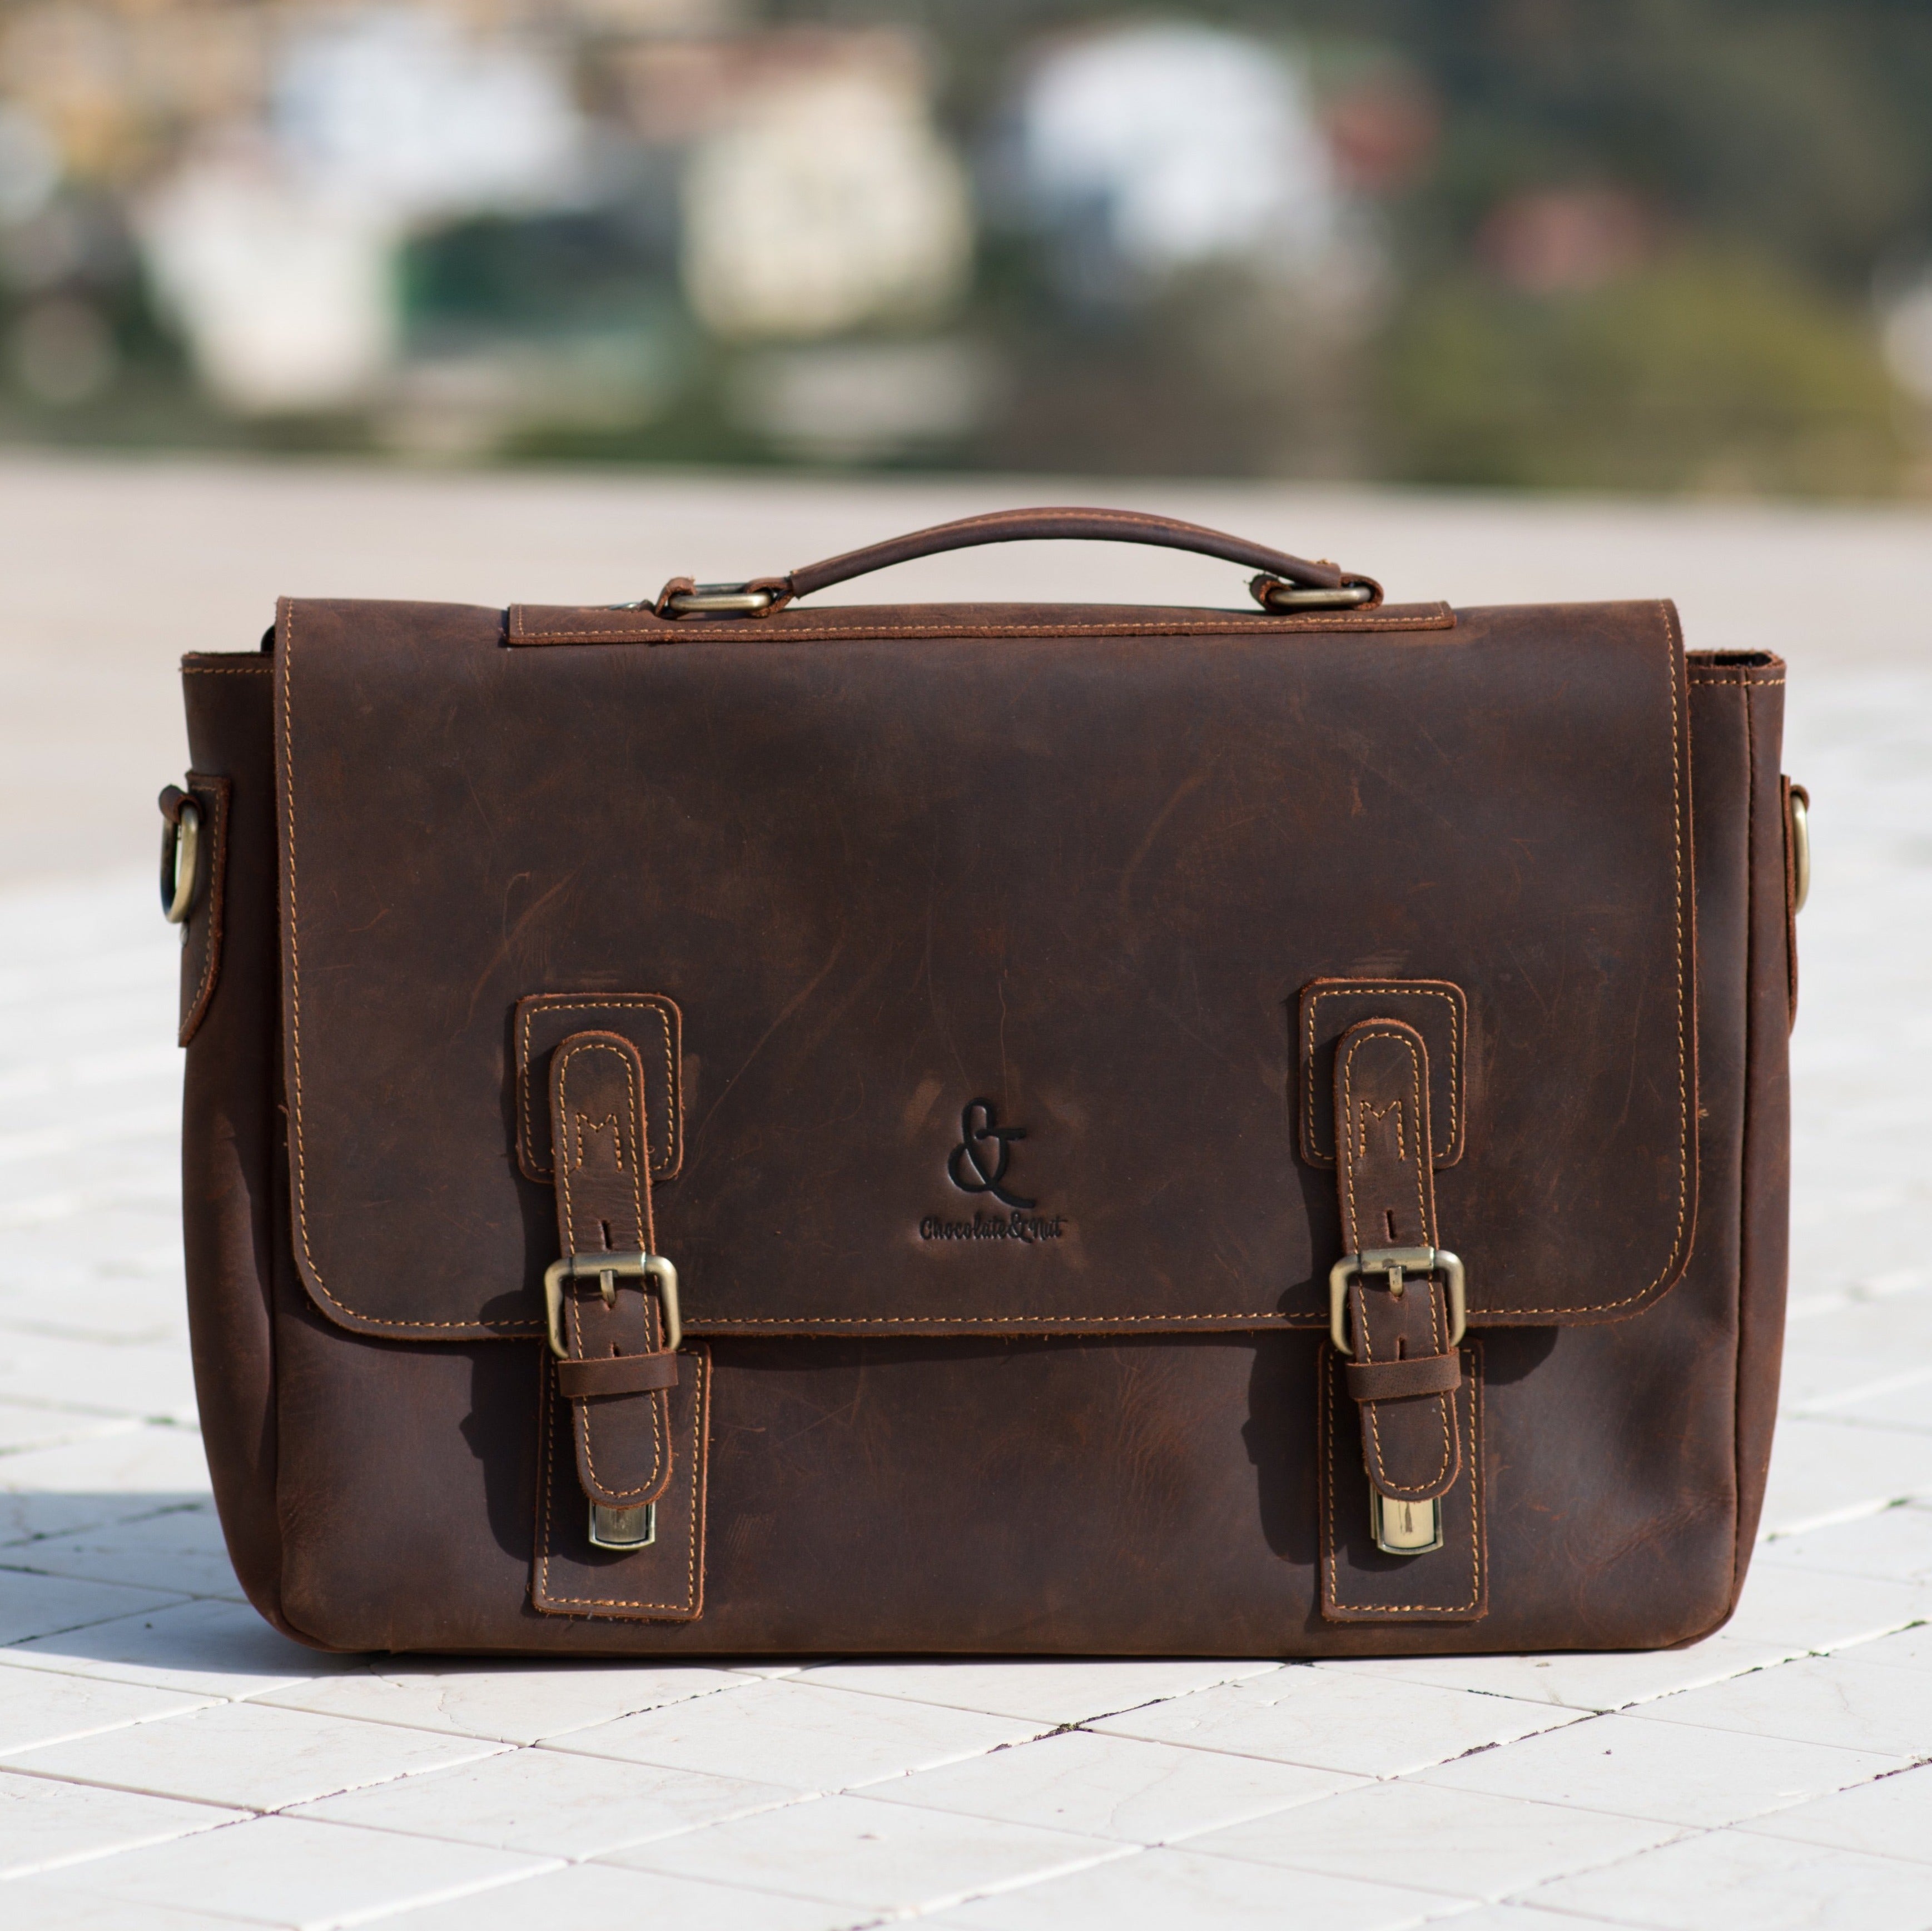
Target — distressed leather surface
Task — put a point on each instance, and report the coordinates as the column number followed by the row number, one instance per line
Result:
column 1123, row 1493
column 1107, row 1494
column 1078, row 878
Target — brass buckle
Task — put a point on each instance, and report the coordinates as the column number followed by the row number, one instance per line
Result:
column 610, row 1269
column 1397, row 1263
column 1399, row 1528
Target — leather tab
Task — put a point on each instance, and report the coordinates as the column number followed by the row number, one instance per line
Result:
column 604, row 1206
column 651, row 1022
column 1436, row 1008
column 1383, row 1177
column 662, row 1581
column 1360, row 1583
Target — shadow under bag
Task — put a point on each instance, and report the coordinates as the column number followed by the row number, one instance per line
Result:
column 728, row 1125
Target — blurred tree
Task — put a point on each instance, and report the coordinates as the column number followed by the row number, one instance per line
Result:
column 1801, row 126
column 1707, row 370
column 1641, row 255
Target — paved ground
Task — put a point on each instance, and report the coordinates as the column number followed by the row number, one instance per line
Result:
column 166, row 1761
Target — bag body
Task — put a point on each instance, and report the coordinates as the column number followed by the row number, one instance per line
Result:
column 722, row 1127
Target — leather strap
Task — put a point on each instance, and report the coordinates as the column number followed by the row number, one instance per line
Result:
column 1403, row 1373
column 618, row 1370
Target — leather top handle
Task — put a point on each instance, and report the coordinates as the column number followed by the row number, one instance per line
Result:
column 1283, row 583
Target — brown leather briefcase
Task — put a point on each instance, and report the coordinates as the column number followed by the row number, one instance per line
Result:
column 733, row 1125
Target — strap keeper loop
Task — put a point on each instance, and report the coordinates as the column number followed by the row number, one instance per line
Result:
column 616, row 1375
column 1396, row 1381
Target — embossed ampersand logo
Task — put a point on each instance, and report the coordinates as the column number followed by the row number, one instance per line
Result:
column 983, row 1139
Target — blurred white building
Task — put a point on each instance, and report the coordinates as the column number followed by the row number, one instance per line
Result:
column 1906, row 318
column 1155, row 149
column 274, row 249
column 283, row 296
column 826, row 200
column 401, row 113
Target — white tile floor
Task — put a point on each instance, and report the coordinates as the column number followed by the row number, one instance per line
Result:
column 168, row 1762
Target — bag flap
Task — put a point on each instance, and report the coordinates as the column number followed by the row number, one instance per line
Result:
column 989, row 951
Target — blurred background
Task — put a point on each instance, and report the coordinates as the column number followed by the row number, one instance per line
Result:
column 1679, row 246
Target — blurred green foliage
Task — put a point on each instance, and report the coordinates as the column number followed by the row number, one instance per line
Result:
column 1713, row 369
column 1781, row 151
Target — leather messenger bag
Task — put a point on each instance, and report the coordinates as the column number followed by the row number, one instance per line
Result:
column 739, row 1125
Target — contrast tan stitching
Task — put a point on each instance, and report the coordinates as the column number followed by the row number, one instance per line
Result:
column 1370, row 1113
column 701, row 1407
column 651, row 1002
column 1472, row 1380
column 295, row 1038
column 564, row 1165
column 1672, row 642
column 1387, row 988
column 1232, row 626
column 712, row 1323
column 1423, row 1215
column 1739, row 1433
column 227, row 669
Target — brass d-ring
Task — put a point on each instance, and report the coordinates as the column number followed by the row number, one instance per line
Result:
column 187, row 850
column 1799, row 810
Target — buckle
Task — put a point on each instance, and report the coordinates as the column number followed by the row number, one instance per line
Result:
column 609, row 1270
column 1399, row 1528
column 1397, row 1263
